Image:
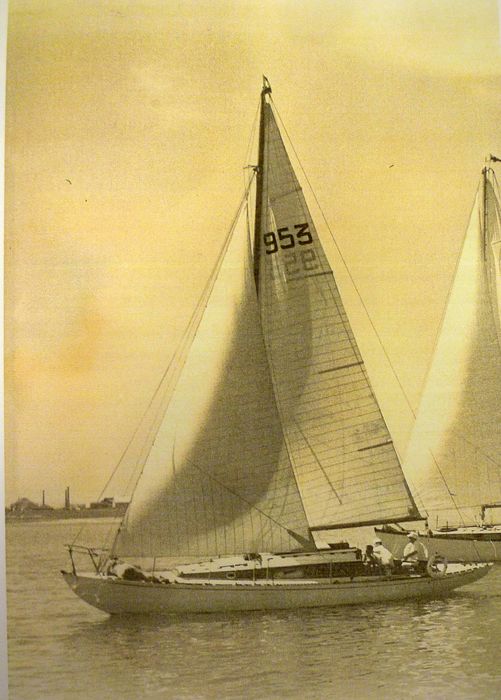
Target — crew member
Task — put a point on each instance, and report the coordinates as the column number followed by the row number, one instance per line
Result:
column 383, row 556
column 414, row 552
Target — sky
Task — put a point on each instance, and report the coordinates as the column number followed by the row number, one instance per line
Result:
column 127, row 131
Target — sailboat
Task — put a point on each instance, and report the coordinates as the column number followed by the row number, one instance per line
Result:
column 270, row 433
column 454, row 455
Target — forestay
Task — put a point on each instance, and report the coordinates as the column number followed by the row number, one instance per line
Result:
column 342, row 453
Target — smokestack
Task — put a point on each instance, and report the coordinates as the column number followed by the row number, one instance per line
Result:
column 67, row 498
column 43, row 497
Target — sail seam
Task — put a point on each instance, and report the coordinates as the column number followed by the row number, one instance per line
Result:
column 336, row 369
column 373, row 447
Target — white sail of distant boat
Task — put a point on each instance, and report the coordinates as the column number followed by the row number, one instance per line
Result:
column 454, row 457
column 492, row 242
column 272, row 432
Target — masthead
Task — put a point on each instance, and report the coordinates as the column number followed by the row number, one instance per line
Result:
column 266, row 86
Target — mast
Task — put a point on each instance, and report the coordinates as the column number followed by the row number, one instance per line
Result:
column 485, row 171
column 266, row 90
column 484, row 207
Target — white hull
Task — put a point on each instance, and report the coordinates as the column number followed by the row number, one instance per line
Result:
column 479, row 549
column 117, row 596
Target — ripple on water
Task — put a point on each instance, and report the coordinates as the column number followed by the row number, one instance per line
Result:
column 61, row 648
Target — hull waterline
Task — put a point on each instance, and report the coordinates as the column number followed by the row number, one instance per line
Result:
column 117, row 597
column 454, row 548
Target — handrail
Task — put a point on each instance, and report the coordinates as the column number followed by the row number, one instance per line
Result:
column 93, row 552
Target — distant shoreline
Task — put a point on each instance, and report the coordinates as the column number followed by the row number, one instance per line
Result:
column 63, row 514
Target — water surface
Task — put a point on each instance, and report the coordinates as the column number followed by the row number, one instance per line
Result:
column 60, row 648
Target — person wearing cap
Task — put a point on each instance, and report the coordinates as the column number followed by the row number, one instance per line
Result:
column 383, row 556
column 414, row 552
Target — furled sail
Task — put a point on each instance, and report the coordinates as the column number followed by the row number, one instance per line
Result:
column 218, row 479
column 338, row 443
column 454, row 455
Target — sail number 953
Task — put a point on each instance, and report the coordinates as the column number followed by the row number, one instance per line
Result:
column 285, row 238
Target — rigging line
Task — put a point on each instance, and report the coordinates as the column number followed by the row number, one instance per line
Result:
column 249, row 239
column 280, row 412
column 478, row 449
column 446, row 508
column 140, row 462
column 452, row 497
column 144, row 450
column 495, row 188
column 247, row 178
column 191, row 330
column 217, row 268
column 494, row 182
column 319, row 463
column 444, row 309
column 248, row 152
column 197, row 315
column 237, row 495
column 345, row 265
column 359, row 295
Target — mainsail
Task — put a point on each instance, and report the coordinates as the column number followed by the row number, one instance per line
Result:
column 342, row 453
column 454, row 455
column 272, row 429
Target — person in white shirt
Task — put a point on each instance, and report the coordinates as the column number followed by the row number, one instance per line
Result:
column 414, row 552
column 383, row 556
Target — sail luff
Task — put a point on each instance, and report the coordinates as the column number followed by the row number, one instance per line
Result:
column 258, row 221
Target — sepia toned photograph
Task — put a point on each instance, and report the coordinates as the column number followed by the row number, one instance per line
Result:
column 252, row 342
